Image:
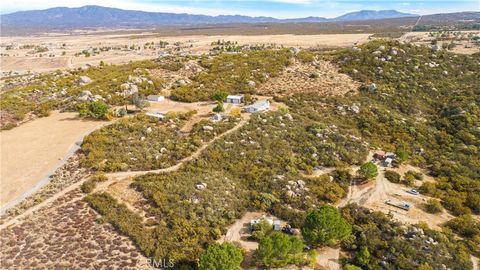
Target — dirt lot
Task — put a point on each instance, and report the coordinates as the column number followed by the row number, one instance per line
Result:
column 374, row 194
column 32, row 151
column 62, row 49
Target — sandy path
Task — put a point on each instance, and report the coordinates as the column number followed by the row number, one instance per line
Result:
column 475, row 261
column 329, row 258
column 240, row 229
column 30, row 153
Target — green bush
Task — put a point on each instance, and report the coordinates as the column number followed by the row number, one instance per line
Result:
column 279, row 250
column 368, row 170
column 325, row 225
column 433, row 206
column 223, row 256
column 392, row 176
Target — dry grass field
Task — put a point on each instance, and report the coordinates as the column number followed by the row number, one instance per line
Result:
column 32, row 151
column 62, row 50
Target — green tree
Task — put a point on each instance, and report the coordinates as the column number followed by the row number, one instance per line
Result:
column 363, row 257
column 219, row 108
column 369, row 170
column 324, row 225
column 402, row 155
column 140, row 103
column 262, row 229
column 225, row 256
column 279, row 249
column 220, row 96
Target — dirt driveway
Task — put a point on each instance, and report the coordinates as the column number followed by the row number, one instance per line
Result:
column 31, row 152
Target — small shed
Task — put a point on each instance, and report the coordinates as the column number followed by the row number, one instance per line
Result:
column 155, row 98
column 258, row 106
column 234, row 99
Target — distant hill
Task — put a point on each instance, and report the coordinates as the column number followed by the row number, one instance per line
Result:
column 97, row 16
column 373, row 15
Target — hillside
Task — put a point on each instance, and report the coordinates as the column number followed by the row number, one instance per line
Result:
column 97, row 16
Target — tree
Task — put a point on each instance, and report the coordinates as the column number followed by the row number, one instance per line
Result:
column 369, row 170
column 219, row 108
column 324, row 225
column 225, row 256
column 402, row 155
column 262, row 229
column 220, row 96
column 139, row 103
column 279, row 249
column 363, row 257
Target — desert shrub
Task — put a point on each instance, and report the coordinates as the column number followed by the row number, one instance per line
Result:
column 392, row 176
column 386, row 242
column 96, row 109
column 465, row 225
column 233, row 72
column 433, row 206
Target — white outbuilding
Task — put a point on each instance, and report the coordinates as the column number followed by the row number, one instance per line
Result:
column 234, row 99
column 155, row 98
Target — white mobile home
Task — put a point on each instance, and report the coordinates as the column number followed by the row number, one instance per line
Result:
column 258, row 106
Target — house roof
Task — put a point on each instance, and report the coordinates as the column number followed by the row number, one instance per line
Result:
column 259, row 104
column 235, row 96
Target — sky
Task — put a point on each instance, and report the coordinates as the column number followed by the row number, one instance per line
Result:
column 272, row 8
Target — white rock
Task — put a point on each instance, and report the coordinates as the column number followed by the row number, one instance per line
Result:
column 84, row 80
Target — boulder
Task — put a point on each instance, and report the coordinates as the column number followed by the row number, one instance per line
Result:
column 207, row 128
column 84, row 80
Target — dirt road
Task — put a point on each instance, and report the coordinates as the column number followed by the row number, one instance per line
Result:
column 328, row 258
column 30, row 153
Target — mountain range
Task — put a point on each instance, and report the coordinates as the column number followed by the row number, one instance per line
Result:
column 98, row 16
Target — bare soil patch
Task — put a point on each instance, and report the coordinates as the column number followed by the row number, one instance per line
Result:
column 32, row 151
